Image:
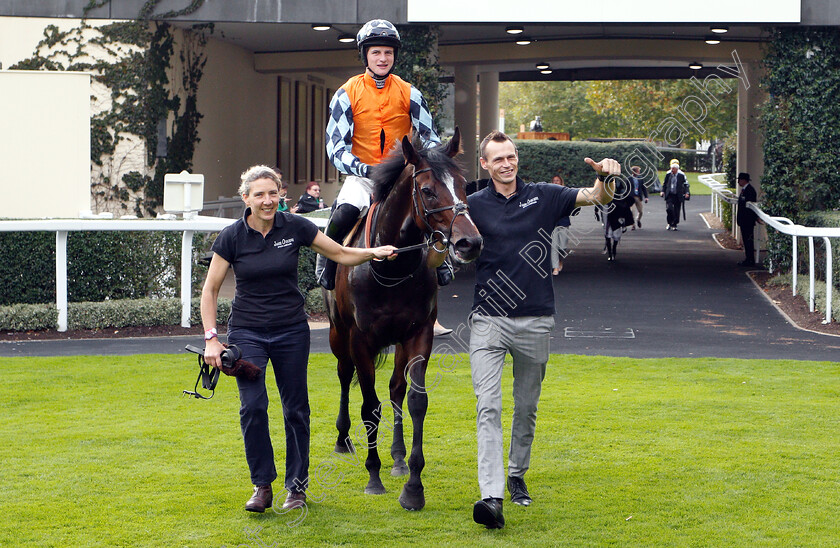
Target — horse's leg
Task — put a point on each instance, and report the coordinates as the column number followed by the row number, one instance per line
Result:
column 417, row 351
column 397, row 388
column 338, row 343
column 363, row 357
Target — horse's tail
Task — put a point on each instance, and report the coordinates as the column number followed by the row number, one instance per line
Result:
column 378, row 361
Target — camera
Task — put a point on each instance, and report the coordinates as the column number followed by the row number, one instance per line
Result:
column 230, row 355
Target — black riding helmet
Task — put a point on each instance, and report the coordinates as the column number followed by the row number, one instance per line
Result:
column 377, row 32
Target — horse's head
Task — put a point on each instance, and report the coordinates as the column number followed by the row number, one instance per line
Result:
column 440, row 198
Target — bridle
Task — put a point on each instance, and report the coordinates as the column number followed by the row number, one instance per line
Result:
column 459, row 208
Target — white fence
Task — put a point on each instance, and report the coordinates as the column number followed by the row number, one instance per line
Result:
column 62, row 226
column 721, row 195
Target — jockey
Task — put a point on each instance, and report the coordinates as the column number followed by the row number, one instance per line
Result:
column 368, row 115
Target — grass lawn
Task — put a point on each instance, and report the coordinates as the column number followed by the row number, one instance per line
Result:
column 697, row 188
column 105, row 451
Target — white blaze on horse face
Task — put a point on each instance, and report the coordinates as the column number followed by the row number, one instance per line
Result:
column 449, row 181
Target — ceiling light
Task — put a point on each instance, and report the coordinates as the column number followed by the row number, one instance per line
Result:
column 718, row 29
column 524, row 41
column 712, row 40
column 546, row 71
column 515, row 30
column 542, row 66
column 320, row 26
column 346, row 38
column 695, row 65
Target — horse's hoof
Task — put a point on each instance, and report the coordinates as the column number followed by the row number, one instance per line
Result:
column 400, row 468
column 375, row 488
column 412, row 499
column 345, row 446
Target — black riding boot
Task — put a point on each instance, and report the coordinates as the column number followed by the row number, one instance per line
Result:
column 614, row 249
column 339, row 225
column 609, row 248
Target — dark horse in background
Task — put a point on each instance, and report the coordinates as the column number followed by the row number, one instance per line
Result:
column 422, row 203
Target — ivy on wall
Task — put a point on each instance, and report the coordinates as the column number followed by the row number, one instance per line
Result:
column 132, row 60
column 802, row 127
column 418, row 65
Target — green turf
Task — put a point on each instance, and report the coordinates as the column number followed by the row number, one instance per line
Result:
column 105, row 451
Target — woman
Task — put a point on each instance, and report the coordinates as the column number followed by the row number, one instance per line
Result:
column 619, row 217
column 267, row 321
column 311, row 199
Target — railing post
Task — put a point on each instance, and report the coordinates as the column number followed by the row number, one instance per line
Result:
column 829, row 282
column 186, row 277
column 811, row 273
column 61, row 278
column 794, row 264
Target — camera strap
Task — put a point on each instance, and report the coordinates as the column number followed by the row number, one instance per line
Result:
column 207, row 376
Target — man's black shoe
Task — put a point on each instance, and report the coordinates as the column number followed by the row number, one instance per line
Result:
column 488, row 512
column 746, row 263
column 518, row 491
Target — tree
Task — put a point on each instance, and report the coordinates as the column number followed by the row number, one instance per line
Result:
column 562, row 106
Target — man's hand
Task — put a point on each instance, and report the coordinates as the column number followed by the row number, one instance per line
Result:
column 605, row 167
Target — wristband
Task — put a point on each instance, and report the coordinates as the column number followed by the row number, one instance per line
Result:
column 210, row 333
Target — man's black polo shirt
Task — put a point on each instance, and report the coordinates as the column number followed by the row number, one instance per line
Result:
column 513, row 272
column 267, row 293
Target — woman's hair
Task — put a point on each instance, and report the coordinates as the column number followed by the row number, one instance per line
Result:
column 252, row 174
column 310, row 184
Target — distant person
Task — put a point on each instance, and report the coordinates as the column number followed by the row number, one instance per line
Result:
column 640, row 194
column 536, row 124
column 311, row 199
column 619, row 217
column 284, row 191
column 675, row 190
column 746, row 218
column 559, row 237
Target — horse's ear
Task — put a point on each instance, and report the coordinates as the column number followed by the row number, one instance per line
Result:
column 454, row 147
column 409, row 153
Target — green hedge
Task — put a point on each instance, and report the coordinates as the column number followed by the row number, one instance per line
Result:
column 100, row 265
column 99, row 315
column 541, row 160
column 801, row 133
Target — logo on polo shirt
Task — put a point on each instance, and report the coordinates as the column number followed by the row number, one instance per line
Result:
column 529, row 202
column 285, row 242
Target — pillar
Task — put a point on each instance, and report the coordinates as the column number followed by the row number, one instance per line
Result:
column 465, row 116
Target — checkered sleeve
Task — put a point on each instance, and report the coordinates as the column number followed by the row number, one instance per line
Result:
column 340, row 136
column 421, row 119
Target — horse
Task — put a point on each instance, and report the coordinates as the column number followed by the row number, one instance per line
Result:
column 394, row 302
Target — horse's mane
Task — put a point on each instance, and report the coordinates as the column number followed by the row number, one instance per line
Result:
column 386, row 174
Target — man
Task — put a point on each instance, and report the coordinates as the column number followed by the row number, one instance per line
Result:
column 640, row 194
column 368, row 115
column 746, row 218
column 513, row 310
column 675, row 190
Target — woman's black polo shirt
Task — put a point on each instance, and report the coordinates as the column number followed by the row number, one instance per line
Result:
column 267, row 293
column 513, row 272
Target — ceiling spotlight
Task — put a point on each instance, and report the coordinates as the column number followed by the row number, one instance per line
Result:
column 346, row 38
column 321, row 26
column 542, row 66
column 515, row 30
column 712, row 40
column 546, row 71
column 695, row 65
column 523, row 41
column 718, row 29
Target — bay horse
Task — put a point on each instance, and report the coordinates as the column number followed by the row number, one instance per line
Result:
column 377, row 304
